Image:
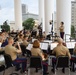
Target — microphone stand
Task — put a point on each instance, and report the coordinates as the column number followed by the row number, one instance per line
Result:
column 51, row 23
column 52, row 26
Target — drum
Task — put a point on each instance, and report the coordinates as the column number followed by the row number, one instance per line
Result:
column 2, row 60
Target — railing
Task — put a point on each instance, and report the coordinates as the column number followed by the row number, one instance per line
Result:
column 70, row 38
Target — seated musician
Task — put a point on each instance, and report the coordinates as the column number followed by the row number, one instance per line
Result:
column 41, row 38
column 25, row 41
column 1, row 40
column 28, row 33
column 12, row 51
column 73, row 58
column 74, row 51
column 20, row 39
column 18, row 33
column 55, row 37
column 60, row 50
column 36, row 51
column 5, row 41
column 44, row 35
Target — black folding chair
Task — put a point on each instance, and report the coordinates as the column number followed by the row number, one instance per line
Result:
column 8, row 63
column 25, row 51
column 2, row 52
column 23, row 48
column 73, row 62
column 35, row 62
column 63, row 62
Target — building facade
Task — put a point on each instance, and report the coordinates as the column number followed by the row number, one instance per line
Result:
column 24, row 9
column 73, row 13
column 29, row 15
column 26, row 14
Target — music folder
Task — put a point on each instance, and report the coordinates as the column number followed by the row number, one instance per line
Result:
column 53, row 45
column 44, row 46
column 29, row 47
column 70, row 45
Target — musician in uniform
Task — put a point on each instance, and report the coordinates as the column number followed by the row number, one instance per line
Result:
column 60, row 50
column 36, row 51
column 12, row 51
column 61, row 28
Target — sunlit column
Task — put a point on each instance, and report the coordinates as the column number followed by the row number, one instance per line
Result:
column 18, row 14
column 42, row 13
column 46, row 9
column 49, row 10
column 64, row 14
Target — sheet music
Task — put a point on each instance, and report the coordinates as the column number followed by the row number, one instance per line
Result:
column 33, row 40
column 48, row 33
column 44, row 46
column 53, row 45
column 47, row 41
column 29, row 47
column 40, row 45
column 69, row 45
column 72, row 45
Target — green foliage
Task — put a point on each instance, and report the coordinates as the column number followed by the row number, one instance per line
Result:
column 72, row 31
column 5, row 26
column 29, row 23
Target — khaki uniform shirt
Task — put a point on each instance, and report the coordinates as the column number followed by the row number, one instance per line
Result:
column 12, row 51
column 37, row 52
column 74, row 51
column 61, row 50
column 44, row 35
column 25, row 43
column 20, row 40
column 61, row 28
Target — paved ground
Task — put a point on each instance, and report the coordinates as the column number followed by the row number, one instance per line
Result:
column 32, row 72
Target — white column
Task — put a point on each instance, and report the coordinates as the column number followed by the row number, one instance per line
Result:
column 18, row 14
column 49, row 10
column 64, row 14
column 42, row 13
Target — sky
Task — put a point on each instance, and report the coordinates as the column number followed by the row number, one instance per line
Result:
column 7, row 9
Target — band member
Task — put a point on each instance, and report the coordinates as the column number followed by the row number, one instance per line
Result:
column 61, row 28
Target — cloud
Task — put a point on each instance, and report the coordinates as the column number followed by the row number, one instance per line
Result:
column 7, row 3
column 6, row 14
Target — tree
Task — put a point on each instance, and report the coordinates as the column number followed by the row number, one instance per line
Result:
column 28, row 24
column 5, row 26
column 72, row 31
